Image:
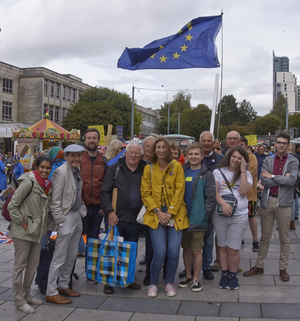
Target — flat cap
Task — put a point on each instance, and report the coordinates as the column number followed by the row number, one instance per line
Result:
column 73, row 148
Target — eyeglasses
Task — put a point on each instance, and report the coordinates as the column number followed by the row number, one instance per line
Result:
column 232, row 138
column 282, row 143
column 134, row 154
column 122, row 147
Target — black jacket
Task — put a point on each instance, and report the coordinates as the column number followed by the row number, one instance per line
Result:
column 117, row 177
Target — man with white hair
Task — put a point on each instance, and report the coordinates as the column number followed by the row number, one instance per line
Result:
column 232, row 139
column 125, row 175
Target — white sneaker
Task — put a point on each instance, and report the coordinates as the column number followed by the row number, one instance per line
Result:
column 26, row 308
column 170, row 290
column 35, row 301
column 152, row 291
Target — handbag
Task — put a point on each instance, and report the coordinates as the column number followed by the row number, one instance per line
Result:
column 143, row 210
column 111, row 263
column 229, row 198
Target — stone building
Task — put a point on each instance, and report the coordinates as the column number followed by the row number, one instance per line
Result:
column 25, row 94
column 150, row 120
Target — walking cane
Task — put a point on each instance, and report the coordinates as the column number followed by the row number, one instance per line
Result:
column 114, row 205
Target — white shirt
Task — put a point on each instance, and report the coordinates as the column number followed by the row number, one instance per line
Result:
column 242, row 206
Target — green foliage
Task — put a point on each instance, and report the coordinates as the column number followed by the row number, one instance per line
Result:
column 102, row 106
column 246, row 113
column 267, row 124
column 195, row 121
column 294, row 120
column 138, row 120
column 181, row 102
column 279, row 110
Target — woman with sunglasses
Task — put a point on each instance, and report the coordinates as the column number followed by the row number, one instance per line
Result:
column 113, row 149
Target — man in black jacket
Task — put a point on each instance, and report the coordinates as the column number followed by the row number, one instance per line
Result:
column 126, row 176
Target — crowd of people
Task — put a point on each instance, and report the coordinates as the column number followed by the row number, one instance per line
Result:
column 194, row 199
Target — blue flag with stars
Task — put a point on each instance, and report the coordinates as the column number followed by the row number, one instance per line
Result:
column 191, row 47
column 116, row 158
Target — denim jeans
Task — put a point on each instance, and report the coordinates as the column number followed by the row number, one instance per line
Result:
column 93, row 222
column 296, row 201
column 208, row 246
column 129, row 230
column 165, row 241
column 81, row 246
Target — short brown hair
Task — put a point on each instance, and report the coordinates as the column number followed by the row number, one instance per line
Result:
column 169, row 153
column 92, row 130
column 174, row 146
column 194, row 146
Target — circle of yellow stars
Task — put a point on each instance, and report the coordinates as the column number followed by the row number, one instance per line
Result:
column 183, row 48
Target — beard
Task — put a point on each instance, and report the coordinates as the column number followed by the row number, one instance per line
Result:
column 92, row 147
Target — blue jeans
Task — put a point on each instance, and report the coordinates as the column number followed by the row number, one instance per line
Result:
column 208, row 246
column 81, row 246
column 93, row 222
column 129, row 230
column 296, row 201
column 160, row 237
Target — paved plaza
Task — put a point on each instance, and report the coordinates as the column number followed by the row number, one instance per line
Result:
column 263, row 297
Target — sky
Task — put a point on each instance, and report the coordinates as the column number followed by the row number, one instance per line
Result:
column 86, row 38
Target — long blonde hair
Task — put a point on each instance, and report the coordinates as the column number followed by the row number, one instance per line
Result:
column 113, row 149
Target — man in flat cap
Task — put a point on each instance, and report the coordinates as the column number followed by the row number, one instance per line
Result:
column 67, row 209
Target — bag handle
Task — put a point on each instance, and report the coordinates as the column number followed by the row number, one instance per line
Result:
column 226, row 181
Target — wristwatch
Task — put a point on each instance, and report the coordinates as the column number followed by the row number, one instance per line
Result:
column 272, row 176
column 156, row 210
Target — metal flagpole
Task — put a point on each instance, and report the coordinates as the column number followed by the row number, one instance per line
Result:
column 215, row 99
column 221, row 87
column 132, row 113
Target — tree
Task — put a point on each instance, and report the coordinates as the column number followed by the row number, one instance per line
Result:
column 242, row 130
column 279, row 109
column 195, row 120
column 267, row 124
column 102, row 106
column 181, row 101
column 229, row 110
column 246, row 113
column 294, row 120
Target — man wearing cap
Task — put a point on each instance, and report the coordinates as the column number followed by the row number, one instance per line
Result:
column 67, row 209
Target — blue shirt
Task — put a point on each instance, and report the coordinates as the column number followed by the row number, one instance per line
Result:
column 18, row 170
column 190, row 175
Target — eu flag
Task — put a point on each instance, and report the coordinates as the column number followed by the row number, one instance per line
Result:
column 116, row 158
column 191, row 47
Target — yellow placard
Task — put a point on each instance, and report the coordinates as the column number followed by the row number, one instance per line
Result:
column 100, row 128
column 252, row 140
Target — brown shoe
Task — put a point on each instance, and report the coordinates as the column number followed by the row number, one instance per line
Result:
column 68, row 292
column 254, row 271
column 58, row 299
column 292, row 225
column 284, row 276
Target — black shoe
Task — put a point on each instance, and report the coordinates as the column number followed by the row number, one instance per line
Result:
column 185, row 282
column 208, row 275
column 108, row 289
column 183, row 274
column 255, row 246
column 146, row 281
column 134, row 286
column 243, row 242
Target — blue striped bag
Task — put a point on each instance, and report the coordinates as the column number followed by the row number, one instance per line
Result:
column 111, row 262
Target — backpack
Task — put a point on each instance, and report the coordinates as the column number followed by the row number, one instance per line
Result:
column 5, row 211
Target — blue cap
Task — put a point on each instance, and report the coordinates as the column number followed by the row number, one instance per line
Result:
column 74, row 149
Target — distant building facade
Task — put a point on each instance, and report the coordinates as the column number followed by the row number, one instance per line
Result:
column 286, row 85
column 25, row 94
column 280, row 64
column 150, row 120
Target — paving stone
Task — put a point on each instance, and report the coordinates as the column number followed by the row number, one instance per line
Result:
column 48, row 313
column 257, row 280
column 1, row 302
column 7, row 295
column 255, row 319
column 92, row 315
column 84, row 301
column 250, row 310
column 141, row 305
column 199, row 308
column 6, row 282
column 7, row 267
column 294, row 280
column 274, row 311
column 271, row 266
column 216, row 319
column 9, row 312
column 269, row 294
column 2, row 289
column 157, row 317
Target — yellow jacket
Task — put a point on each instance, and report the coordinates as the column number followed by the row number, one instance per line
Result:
column 173, row 182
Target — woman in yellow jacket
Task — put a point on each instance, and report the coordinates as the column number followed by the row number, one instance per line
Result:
column 162, row 191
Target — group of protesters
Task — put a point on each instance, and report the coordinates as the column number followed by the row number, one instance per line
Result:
column 192, row 203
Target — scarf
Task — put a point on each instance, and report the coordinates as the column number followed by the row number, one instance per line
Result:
column 44, row 183
column 59, row 155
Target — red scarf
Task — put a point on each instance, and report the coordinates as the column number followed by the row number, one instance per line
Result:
column 44, row 182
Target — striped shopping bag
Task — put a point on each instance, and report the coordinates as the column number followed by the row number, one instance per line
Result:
column 111, row 262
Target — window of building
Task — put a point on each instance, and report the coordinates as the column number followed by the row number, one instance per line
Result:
column 51, row 89
column 51, row 112
column 64, row 113
column 6, row 110
column 73, row 95
column 64, row 92
column 46, row 84
column 45, row 108
column 57, row 89
column 7, row 85
column 68, row 94
column 56, row 115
